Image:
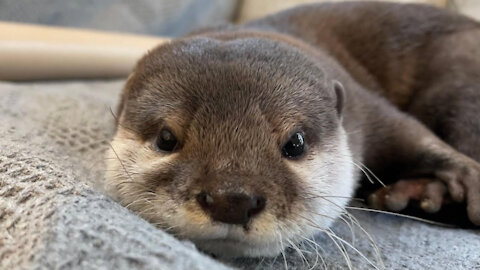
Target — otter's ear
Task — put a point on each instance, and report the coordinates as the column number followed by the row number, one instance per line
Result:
column 340, row 93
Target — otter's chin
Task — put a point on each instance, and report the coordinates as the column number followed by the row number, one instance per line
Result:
column 231, row 248
column 234, row 245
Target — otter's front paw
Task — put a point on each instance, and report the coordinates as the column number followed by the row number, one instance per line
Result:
column 429, row 194
column 457, row 181
column 462, row 178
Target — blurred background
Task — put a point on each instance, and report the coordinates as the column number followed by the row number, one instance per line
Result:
column 105, row 38
column 164, row 17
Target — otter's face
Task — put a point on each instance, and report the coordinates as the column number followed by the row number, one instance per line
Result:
column 236, row 145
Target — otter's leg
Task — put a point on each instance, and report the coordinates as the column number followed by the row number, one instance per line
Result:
column 398, row 146
column 448, row 103
column 451, row 109
column 448, row 100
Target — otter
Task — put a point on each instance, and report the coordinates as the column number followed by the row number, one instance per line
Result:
column 245, row 138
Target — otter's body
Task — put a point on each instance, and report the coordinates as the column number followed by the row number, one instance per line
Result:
column 425, row 61
column 245, row 139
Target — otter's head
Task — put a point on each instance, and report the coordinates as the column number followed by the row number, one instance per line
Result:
column 235, row 144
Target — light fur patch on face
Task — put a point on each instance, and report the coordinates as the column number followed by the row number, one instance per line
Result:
column 129, row 159
column 328, row 180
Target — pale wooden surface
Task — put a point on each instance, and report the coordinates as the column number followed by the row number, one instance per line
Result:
column 29, row 52
column 254, row 9
column 468, row 7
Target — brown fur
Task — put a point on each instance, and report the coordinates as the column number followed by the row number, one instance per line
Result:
column 232, row 98
column 424, row 60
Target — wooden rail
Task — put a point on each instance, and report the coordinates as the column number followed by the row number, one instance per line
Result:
column 32, row 52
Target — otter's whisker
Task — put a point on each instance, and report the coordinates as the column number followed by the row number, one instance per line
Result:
column 297, row 249
column 120, row 184
column 322, row 215
column 121, row 162
column 93, row 163
column 354, row 248
column 146, row 211
column 113, row 114
column 115, row 117
column 105, row 170
column 273, row 262
column 370, row 171
column 167, row 229
column 340, row 246
column 371, row 240
column 137, row 201
column 313, row 244
column 332, row 234
column 366, row 171
column 363, row 171
column 402, row 215
column 283, row 253
column 350, row 226
column 342, row 243
column 260, row 263
column 314, row 196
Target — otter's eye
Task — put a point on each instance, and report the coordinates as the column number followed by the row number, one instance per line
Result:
column 294, row 147
column 166, row 141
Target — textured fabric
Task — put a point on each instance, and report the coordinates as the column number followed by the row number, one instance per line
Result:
column 53, row 216
column 154, row 17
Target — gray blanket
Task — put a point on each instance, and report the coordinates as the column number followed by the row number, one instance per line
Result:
column 54, row 216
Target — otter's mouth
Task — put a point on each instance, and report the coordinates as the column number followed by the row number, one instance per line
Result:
column 229, row 237
column 230, row 247
column 233, row 241
column 225, row 241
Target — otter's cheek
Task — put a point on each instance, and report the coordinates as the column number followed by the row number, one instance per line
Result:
column 328, row 180
column 119, row 169
column 128, row 159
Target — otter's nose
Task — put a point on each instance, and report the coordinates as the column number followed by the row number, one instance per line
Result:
column 231, row 208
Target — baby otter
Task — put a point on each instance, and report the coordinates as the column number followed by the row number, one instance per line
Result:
column 244, row 139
